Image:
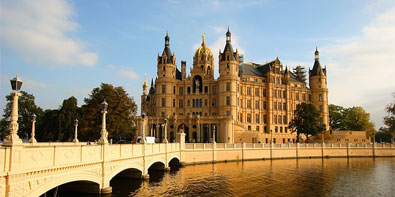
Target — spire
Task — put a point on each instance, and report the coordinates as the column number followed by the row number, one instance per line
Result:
column 228, row 36
column 203, row 41
column 167, row 39
column 317, row 69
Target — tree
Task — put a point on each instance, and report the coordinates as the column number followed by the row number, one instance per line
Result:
column 26, row 109
column 306, row 121
column 389, row 120
column 353, row 118
column 121, row 113
column 300, row 73
column 336, row 117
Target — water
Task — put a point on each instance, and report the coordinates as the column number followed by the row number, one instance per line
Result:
column 303, row 177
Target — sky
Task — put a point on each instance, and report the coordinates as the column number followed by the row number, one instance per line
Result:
column 64, row 48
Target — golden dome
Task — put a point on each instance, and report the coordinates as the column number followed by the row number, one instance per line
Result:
column 203, row 50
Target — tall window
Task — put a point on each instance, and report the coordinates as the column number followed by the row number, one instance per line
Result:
column 280, row 120
column 189, row 90
column 228, row 100
column 297, row 96
column 189, row 103
column 275, row 105
column 275, row 119
column 205, row 89
column 264, row 119
column 228, row 87
column 275, row 93
column 264, row 105
column 163, row 102
column 205, row 102
column 214, row 90
column 249, row 118
column 181, row 103
column 285, row 119
column 174, row 89
column 279, row 93
column 256, row 92
column 284, row 106
column 163, row 89
column 264, row 92
column 284, row 94
column 257, row 118
column 249, row 104
column 321, row 108
column 304, row 97
column 193, row 103
column 174, row 102
column 248, row 91
column 201, row 103
column 279, row 105
column 181, row 90
column 256, row 104
column 309, row 97
column 214, row 103
column 320, row 97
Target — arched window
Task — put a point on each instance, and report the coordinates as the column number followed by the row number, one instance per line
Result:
column 205, row 89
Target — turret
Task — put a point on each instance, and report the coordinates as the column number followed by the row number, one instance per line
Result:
column 319, row 91
column 228, row 82
column 203, row 61
column 183, row 69
column 164, row 85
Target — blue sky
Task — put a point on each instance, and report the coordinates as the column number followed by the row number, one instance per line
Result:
column 66, row 48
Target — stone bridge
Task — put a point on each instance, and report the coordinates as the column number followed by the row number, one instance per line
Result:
column 32, row 169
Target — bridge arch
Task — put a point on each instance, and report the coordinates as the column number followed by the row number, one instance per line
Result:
column 126, row 170
column 175, row 160
column 64, row 179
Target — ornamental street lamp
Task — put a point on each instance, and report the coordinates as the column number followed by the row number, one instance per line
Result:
column 214, row 134
column 142, row 128
column 76, row 131
column 165, row 126
column 32, row 138
column 13, row 138
column 104, row 134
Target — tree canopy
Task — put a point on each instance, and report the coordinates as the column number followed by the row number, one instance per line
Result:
column 26, row 108
column 58, row 124
column 353, row 119
column 120, row 113
column 306, row 121
column 389, row 120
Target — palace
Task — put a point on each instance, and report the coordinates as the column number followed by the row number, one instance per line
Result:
column 248, row 102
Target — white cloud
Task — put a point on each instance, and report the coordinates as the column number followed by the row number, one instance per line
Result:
column 361, row 70
column 128, row 73
column 40, row 32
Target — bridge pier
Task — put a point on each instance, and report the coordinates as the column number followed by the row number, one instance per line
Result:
column 106, row 190
column 145, row 177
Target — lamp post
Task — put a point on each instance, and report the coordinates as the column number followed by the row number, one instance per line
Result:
column 13, row 138
column 104, row 134
column 271, row 136
column 32, row 138
column 76, row 131
column 142, row 129
column 214, row 134
column 165, row 125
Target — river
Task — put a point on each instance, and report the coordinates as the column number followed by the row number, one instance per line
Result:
column 290, row 177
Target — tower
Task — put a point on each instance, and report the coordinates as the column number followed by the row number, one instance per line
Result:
column 319, row 90
column 165, row 84
column 228, row 82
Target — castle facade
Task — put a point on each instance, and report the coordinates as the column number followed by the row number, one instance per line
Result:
column 248, row 102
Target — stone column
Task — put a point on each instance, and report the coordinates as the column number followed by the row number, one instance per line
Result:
column 13, row 138
column 76, row 131
column 198, row 131
column 157, row 128
column 32, row 138
column 104, row 134
column 190, row 131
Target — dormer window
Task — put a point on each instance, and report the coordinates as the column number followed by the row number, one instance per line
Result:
column 227, row 65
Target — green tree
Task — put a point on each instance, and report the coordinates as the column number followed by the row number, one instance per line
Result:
column 336, row 117
column 389, row 120
column 47, row 129
column 120, row 114
column 26, row 109
column 306, row 121
column 67, row 115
